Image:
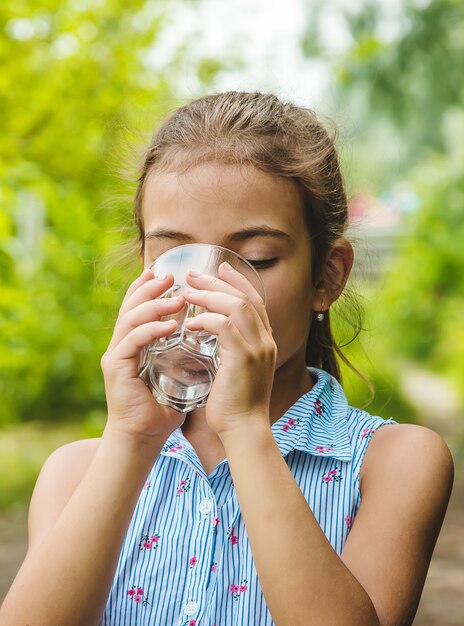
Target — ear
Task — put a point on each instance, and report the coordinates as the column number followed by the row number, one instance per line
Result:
column 336, row 273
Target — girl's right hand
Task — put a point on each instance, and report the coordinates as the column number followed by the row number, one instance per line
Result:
column 132, row 409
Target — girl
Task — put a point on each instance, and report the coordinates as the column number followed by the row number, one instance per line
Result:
column 277, row 503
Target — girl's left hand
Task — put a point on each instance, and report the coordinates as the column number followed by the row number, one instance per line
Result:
column 237, row 315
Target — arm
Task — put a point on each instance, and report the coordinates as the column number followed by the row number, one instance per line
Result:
column 76, row 538
column 303, row 580
column 406, row 483
column 68, row 570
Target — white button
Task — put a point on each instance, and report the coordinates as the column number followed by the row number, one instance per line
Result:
column 205, row 506
column 191, row 608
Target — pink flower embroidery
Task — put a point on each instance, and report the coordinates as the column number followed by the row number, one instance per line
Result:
column 333, row 474
column 192, row 622
column 214, row 567
column 291, row 423
column 215, row 521
column 183, row 486
column 171, row 448
column 238, row 589
column 137, row 595
column 233, row 538
column 367, row 432
column 319, row 407
column 148, row 542
column 322, row 449
column 348, row 520
column 193, row 561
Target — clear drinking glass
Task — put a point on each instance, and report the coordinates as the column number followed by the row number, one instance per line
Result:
column 180, row 369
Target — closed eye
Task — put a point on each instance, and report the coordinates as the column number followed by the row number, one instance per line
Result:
column 262, row 263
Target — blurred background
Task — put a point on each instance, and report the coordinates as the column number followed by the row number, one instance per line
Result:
column 83, row 84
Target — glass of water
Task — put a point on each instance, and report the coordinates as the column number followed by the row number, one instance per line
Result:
column 180, row 369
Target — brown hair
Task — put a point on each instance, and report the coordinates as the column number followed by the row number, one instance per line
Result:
column 279, row 138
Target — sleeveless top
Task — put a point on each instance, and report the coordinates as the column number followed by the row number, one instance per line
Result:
column 186, row 559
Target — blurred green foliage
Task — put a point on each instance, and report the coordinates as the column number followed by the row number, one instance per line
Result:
column 400, row 81
column 423, row 298
column 77, row 101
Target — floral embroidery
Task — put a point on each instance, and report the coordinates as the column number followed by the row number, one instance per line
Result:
column 214, row 567
column 170, row 447
column 238, row 589
column 193, row 561
column 189, row 622
column 184, row 485
column 215, row 521
column 322, row 449
column 319, row 407
column 149, row 541
column 348, row 520
column 292, row 422
column 367, row 432
column 331, row 475
column 233, row 538
column 136, row 594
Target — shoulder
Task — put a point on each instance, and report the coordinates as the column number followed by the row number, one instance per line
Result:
column 60, row 475
column 406, row 451
column 68, row 463
column 406, row 483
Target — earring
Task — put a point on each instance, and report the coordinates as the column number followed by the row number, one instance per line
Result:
column 320, row 315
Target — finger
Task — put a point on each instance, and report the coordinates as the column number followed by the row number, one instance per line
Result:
column 141, row 336
column 228, row 334
column 242, row 312
column 232, row 282
column 147, row 274
column 150, row 311
column 147, row 290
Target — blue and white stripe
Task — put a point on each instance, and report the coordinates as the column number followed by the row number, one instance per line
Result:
column 323, row 441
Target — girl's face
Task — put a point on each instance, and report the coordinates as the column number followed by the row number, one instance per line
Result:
column 253, row 213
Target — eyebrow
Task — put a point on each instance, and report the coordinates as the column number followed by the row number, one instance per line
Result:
column 240, row 235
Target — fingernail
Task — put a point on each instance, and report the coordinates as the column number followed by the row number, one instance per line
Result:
column 193, row 272
column 227, row 266
column 161, row 277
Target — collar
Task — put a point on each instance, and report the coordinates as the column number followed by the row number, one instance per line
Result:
column 318, row 421
column 316, row 424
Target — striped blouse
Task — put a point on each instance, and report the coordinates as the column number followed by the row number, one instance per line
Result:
column 186, row 559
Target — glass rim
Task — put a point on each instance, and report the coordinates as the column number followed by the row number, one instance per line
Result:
column 213, row 245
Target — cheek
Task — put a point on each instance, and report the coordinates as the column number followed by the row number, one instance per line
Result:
column 289, row 311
